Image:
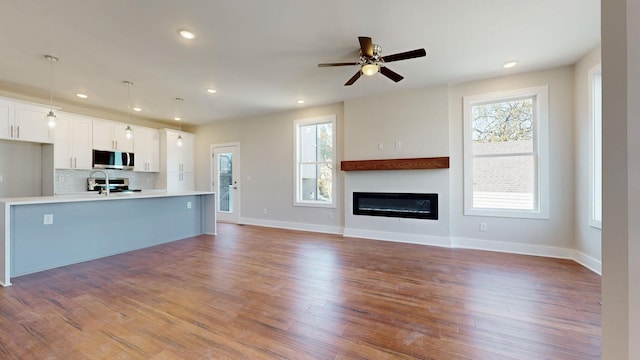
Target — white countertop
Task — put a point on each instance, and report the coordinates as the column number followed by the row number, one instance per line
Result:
column 93, row 196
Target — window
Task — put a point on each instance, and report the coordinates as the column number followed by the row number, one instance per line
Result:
column 315, row 173
column 506, row 154
column 595, row 113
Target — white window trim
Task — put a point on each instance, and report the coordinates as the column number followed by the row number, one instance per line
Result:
column 541, row 148
column 296, row 171
column 593, row 222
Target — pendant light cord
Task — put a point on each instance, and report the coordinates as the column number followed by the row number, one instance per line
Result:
column 51, row 87
column 52, row 59
column 129, row 84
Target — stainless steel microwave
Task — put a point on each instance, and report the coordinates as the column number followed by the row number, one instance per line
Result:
column 113, row 160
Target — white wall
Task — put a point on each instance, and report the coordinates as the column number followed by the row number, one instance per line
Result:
column 266, row 159
column 552, row 237
column 588, row 240
column 418, row 120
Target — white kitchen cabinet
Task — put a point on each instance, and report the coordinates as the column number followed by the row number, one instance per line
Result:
column 24, row 122
column 7, row 116
column 72, row 145
column 111, row 136
column 146, row 148
column 176, row 162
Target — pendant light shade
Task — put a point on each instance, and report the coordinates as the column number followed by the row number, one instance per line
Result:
column 129, row 132
column 51, row 117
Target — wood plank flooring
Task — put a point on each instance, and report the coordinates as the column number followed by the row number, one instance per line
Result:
column 260, row 293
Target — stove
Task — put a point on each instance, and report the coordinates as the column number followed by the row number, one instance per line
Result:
column 115, row 185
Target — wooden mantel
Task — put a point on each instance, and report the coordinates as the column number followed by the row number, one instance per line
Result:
column 396, row 164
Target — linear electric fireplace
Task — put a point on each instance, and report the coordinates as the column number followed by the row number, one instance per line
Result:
column 403, row 205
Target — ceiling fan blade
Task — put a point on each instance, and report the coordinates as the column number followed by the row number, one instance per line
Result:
column 405, row 55
column 338, row 64
column 366, row 46
column 390, row 74
column 353, row 78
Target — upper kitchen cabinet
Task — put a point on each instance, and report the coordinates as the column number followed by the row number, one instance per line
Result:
column 24, row 122
column 72, row 135
column 146, row 147
column 111, row 136
column 7, row 115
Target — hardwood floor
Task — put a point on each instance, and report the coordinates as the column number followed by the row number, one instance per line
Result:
column 260, row 293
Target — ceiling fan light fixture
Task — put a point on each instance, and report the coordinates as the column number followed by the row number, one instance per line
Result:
column 370, row 69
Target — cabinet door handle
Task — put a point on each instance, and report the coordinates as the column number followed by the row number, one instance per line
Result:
column 11, row 131
column 18, row 131
column 70, row 162
column 75, row 162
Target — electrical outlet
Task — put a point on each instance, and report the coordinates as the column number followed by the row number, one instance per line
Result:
column 483, row 227
column 265, row 211
column 398, row 144
column 1, row 178
column 330, row 214
column 380, row 145
column 188, row 204
column 48, row 219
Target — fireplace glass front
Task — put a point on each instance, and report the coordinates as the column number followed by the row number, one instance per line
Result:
column 402, row 205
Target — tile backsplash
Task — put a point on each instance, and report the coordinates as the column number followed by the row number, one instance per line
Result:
column 74, row 181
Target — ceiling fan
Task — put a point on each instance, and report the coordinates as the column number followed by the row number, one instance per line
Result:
column 371, row 61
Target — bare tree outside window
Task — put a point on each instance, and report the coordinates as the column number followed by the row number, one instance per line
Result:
column 504, row 159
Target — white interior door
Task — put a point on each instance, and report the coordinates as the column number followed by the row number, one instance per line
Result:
column 225, row 165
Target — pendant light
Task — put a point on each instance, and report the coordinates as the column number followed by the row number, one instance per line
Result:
column 51, row 117
column 180, row 140
column 128, row 130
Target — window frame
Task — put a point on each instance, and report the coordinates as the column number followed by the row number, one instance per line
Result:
column 540, row 94
column 595, row 146
column 297, row 124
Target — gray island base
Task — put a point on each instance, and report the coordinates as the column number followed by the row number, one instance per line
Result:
column 42, row 233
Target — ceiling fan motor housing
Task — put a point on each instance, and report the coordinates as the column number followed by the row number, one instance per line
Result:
column 371, row 61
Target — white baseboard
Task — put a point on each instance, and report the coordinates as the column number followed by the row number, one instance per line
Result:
column 398, row 237
column 292, row 225
column 513, row 248
column 588, row 262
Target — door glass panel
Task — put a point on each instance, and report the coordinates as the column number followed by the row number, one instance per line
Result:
column 225, row 182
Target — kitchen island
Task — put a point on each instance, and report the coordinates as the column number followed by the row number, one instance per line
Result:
column 41, row 233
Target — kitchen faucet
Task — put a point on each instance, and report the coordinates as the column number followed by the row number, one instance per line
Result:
column 106, row 180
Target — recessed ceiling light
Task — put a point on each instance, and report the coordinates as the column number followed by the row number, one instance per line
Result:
column 300, row 101
column 177, row 118
column 137, row 109
column 510, row 64
column 82, row 96
column 211, row 91
column 187, row 34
